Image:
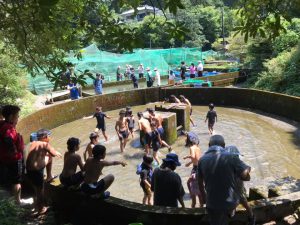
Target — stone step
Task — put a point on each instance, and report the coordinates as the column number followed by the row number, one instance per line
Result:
column 258, row 192
column 284, row 186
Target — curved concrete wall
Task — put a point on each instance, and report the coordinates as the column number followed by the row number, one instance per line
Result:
column 56, row 115
column 274, row 103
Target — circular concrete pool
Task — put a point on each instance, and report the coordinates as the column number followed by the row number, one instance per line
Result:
column 271, row 146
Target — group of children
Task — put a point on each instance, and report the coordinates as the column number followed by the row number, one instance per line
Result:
column 152, row 132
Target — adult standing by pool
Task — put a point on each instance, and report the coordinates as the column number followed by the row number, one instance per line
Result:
column 11, row 150
column 141, row 71
column 98, row 82
column 219, row 171
column 192, row 70
column 149, row 79
column 182, row 70
column 166, row 183
column 157, row 76
column 119, row 74
column 200, row 69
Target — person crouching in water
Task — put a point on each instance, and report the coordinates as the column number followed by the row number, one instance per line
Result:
column 40, row 156
column 69, row 177
column 122, row 130
column 192, row 141
column 93, row 169
column 145, row 171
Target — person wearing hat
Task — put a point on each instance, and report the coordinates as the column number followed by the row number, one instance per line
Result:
column 149, row 78
column 200, row 69
column 98, row 82
column 192, row 141
column 94, row 139
column 141, row 71
column 157, row 76
column 218, row 172
column 241, row 190
column 166, row 183
column 40, row 157
column 121, row 128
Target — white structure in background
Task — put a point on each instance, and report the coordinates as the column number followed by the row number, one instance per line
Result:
column 142, row 11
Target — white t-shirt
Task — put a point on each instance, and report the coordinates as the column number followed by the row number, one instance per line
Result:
column 157, row 77
column 200, row 67
column 172, row 76
column 141, row 69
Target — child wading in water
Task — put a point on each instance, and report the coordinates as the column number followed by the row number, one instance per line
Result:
column 156, row 141
column 100, row 121
column 69, row 177
column 130, row 122
column 93, row 169
column 122, row 130
column 145, row 171
column 94, row 137
column 211, row 116
column 192, row 141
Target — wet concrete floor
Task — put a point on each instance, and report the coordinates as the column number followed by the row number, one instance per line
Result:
column 271, row 146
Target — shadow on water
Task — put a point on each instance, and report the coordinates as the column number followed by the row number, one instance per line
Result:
column 137, row 155
column 296, row 137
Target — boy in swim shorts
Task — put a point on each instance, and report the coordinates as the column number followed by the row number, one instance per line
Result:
column 121, row 128
column 93, row 169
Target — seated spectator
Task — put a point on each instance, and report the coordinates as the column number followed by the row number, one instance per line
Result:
column 166, row 184
column 93, row 169
column 40, row 156
column 69, row 177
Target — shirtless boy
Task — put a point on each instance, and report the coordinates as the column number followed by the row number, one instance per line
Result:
column 157, row 118
column 122, row 130
column 144, row 126
column 93, row 169
column 192, row 141
column 185, row 101
column 94, row 139
column 40, row 156
column 69, row 177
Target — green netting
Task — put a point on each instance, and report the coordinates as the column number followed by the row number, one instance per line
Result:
column 106, row 63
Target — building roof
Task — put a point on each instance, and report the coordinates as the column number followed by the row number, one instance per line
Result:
column 141, row 8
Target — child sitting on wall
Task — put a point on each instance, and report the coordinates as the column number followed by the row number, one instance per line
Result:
column 93, row 169
column 69, row 177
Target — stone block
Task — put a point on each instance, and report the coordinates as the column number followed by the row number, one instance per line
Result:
column 182, row 114
column 259, row 192
column 284, row 186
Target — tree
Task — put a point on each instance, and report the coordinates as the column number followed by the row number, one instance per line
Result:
column 266, row 17
column 12, row 84
column 44, row 31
